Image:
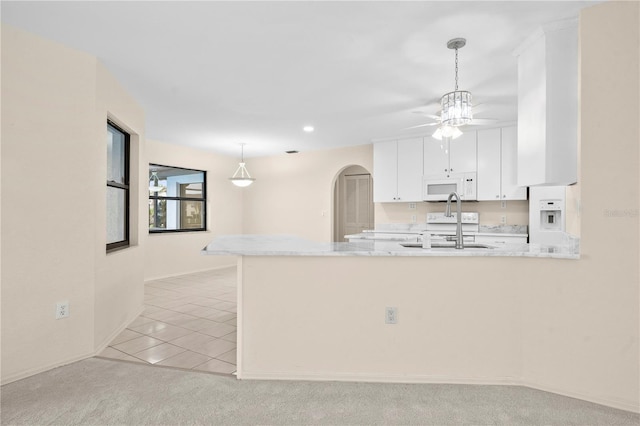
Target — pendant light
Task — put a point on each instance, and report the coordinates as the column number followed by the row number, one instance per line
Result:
column 242, row 177
column 154, row 182
column 456, row 105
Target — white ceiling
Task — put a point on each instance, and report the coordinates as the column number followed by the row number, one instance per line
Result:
column 216, row 74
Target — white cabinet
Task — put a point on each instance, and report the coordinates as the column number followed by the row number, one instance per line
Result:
column 385, row 171
column 436, row 156
column 443, row 157
column 509, row 162
column 497, row 165
column 548, row 106
column 397, row 171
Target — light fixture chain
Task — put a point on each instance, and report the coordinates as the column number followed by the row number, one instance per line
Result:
column 456, row 69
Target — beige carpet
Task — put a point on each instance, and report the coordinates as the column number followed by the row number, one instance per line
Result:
column 106, row 392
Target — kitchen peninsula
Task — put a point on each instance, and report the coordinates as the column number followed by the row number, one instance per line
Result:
column 311, row 310
column 286, row 245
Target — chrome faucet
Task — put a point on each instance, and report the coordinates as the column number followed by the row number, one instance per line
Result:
column 447, row 213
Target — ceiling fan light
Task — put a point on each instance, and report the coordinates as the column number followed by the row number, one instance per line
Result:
column 445, row 132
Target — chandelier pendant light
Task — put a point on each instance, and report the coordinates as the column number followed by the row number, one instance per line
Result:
column 456, row 105
column 242, row 177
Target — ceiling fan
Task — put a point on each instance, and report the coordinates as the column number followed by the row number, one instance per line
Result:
column 456, row 107
column 445, row 130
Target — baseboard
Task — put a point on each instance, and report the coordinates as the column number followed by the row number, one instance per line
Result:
column 379, row 378
column 633, row 406
column 119, row 330
column 27, row 373
column 190, row 272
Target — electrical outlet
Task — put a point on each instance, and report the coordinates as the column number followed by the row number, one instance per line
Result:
column 412, row 206
column 62, row 309
column 503, row 219
column 414, row 218
column 391, row 315
column 503, row 204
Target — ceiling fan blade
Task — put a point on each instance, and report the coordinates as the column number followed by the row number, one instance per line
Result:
column 477, row 121
column 421, row 125
column 424, row 114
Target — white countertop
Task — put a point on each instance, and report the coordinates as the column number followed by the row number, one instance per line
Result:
column 288, row 245
column 407, row 236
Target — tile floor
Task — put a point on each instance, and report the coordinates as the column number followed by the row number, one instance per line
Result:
column 188, row 322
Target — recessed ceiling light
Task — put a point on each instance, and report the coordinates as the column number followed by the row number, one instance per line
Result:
column 308, row 129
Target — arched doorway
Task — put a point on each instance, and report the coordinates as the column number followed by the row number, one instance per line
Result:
column 353, row 209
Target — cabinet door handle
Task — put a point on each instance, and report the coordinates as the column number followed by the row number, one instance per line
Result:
column 497, row 196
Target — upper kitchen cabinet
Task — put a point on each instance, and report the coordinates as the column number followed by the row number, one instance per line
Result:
column 548, row 105
column 397, row 171
column 458, row 155
column 497, row 165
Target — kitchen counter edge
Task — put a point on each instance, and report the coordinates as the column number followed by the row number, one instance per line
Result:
column 288, row 245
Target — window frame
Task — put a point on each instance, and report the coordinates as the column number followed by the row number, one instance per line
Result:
column 179, row 199
column 126, row 187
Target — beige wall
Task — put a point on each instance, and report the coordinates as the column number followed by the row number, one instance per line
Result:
column 179, row 253
column 567, row 326
column 328, row 323
column 293, row 194
column 55, row 103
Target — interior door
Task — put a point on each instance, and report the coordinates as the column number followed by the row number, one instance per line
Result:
column 357, row 204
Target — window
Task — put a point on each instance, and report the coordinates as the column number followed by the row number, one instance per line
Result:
column 117, row 187
column 177, row 199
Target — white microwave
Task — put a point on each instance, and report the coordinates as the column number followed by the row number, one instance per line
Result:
column 438, row 187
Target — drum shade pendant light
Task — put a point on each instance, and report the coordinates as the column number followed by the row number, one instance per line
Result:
column 456, row 105
column 242, row 177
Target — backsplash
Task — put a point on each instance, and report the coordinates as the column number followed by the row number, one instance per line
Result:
column 504, row 229
column 491, row 212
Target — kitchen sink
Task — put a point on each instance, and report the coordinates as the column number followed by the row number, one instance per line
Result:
column 448, row 245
